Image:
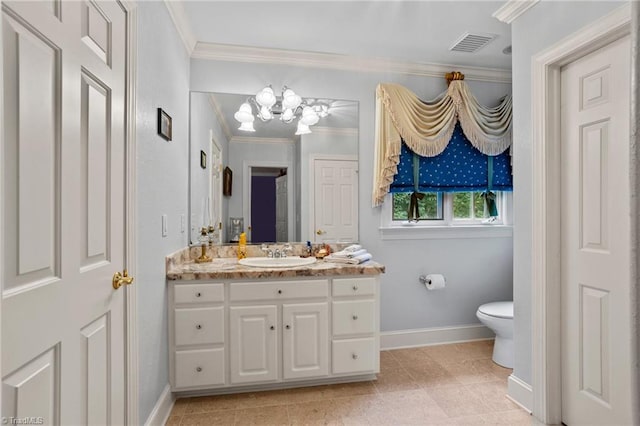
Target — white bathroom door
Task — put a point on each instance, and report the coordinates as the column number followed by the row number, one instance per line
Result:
column 595, row 248
column 215, row 185
column 335, row 200
column 282, row 207
column 63, row 352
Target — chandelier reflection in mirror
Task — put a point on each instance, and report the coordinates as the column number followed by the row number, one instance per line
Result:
column 288, row 107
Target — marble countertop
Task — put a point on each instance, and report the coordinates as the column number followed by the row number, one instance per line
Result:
column 228, row 268
column 180, row 266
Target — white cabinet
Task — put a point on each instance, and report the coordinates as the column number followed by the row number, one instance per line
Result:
column 305, row 340
column 259, row 333
column 253, row 337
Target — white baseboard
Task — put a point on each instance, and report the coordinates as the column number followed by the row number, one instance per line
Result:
column 520, row 392
column 433, row 336
column 162, row 409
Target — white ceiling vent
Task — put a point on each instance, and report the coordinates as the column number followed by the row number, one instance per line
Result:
column 472, row 42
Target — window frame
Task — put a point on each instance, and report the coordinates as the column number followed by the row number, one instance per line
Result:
column 448, row 227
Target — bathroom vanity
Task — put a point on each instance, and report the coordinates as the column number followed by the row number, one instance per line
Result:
column 234, row 327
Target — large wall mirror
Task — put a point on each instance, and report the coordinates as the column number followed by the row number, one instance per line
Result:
column 272, row 183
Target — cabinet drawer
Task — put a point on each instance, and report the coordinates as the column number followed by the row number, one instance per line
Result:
column 200, row 367
column 353, row 355
column 270, row 290
column 198, row 293
column 353, row 317
column 354, row 286
column 199, row 326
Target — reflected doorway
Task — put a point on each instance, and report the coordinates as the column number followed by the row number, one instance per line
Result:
column 269, row 206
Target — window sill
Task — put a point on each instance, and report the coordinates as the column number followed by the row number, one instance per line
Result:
column 418, row 232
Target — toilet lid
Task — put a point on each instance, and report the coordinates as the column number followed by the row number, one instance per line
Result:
column 497, row 309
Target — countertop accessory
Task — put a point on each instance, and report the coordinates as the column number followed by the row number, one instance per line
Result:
column 204, row 238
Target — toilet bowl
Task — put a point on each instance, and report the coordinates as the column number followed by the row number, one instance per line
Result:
column 498, row 316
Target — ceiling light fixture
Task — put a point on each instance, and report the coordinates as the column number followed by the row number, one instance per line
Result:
column 288, row 107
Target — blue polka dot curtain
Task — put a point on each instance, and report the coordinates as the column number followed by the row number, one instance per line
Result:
column 459, row 168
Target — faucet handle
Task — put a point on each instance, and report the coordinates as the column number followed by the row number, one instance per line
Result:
column 286, row 250
column 266, row 250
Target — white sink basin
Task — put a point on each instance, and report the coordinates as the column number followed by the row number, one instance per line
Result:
column 277, row 262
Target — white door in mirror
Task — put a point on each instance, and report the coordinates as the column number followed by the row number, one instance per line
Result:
column 335, row 200
column 273, row 262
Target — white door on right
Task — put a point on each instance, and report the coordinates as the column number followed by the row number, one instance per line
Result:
column 595, row 249
column 335, row 199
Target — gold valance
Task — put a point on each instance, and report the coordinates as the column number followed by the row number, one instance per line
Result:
column 426, row 127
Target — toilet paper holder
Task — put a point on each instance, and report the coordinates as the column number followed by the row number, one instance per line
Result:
column 424, row 280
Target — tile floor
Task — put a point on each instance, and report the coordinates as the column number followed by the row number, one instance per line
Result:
column 455, row 384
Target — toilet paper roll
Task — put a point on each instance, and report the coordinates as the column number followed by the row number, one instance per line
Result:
column 435, row 281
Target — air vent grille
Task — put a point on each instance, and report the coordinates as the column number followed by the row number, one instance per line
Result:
column 472, row 42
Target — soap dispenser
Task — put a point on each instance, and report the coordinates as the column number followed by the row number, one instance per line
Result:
column 242, row 246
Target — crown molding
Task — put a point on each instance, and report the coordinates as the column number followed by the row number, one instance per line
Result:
column 257, row 55
column 220, row 116
column 259, row 140
column 181, row 22
column 345, row 131
column 512, row 9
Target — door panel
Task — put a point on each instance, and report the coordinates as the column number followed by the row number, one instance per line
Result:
column 253, row 338
column 63, row 174
column 305, row 340
column 31, row 85
column 595, row 245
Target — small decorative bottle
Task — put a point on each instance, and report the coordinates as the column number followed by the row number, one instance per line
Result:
column 242, row 246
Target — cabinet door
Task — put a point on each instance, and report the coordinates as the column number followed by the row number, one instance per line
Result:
column 253, row 338
column 305, row 340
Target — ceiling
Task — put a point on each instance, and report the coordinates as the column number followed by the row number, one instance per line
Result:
column 342, row 115
column 409, row 31
column 414, row 31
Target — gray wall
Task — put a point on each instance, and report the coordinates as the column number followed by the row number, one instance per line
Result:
column 477, row 270
column 163, row 81
column 539, row 28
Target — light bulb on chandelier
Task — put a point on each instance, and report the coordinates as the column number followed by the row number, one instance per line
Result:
column 288, row 107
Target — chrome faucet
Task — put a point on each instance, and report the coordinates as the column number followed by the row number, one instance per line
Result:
column 276, row 252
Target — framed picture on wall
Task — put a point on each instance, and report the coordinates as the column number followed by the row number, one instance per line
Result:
column 203, row 159
column 227, row 181
column 164, row 124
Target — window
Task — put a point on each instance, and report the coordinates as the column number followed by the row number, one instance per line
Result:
column 456, row 208
column 430, row 206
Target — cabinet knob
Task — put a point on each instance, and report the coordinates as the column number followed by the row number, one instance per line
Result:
column 198, row 369
column 287, row 326
column 279, row 291
column 272, row 328
column 355, row 288
column 355, row 317
column 198, row 294
column 354, row 356
column 198, row 327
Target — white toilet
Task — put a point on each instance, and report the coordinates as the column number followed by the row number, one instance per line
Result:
column 498, row 316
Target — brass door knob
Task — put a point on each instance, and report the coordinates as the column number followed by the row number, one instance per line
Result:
column 320, row 232
column 120, row 279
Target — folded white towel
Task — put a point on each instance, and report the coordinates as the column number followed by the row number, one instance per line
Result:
column 348, row 254
column 352, row 248
column 349, row 260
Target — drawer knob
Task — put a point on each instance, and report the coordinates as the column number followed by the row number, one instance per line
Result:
column 198, row 369
column 355, row 288
column 355, row 317
column 198, row 294
column 287, row 326
column 198, row 326
column 279, row 291
column 272, row 328
column 354, row 356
